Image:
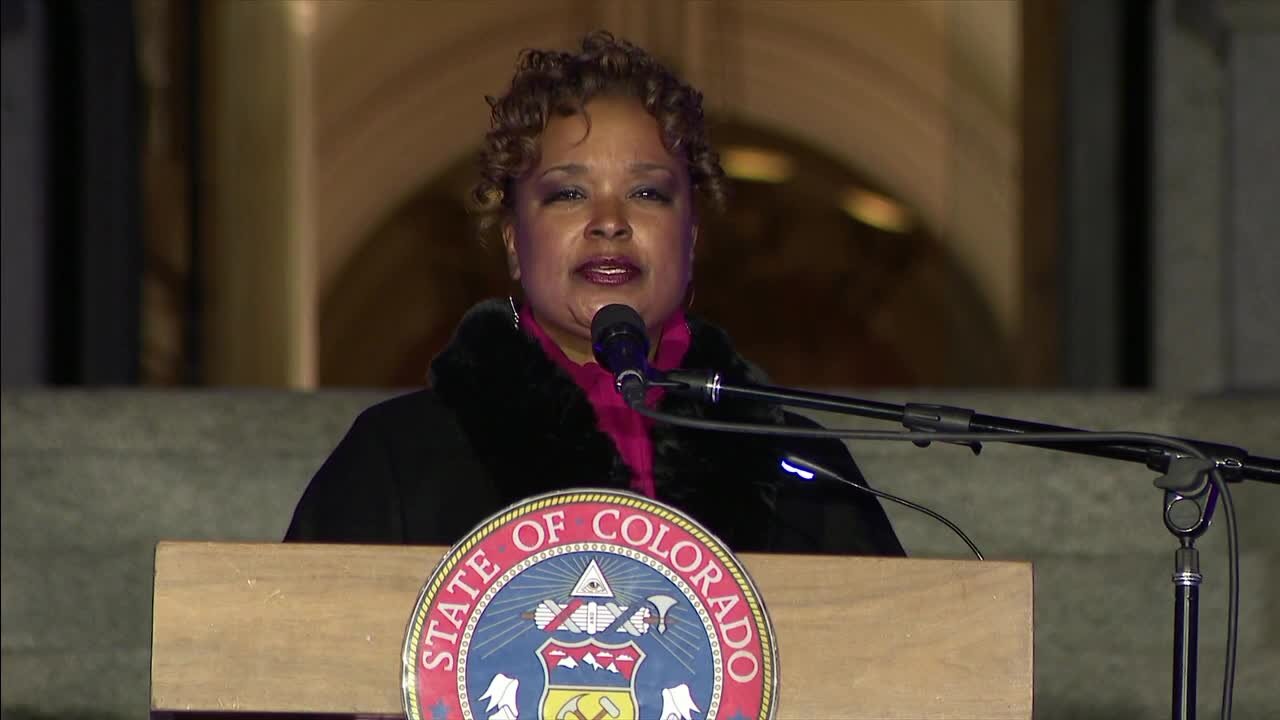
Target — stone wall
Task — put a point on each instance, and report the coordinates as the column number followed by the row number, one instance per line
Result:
column 93, row 479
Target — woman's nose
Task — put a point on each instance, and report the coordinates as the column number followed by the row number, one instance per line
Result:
column 609, row 222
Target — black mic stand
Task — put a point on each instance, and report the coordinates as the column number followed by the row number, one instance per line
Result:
column 1187, row 507
column 1189, row 501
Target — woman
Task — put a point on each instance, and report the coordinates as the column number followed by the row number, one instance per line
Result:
column 589, row 175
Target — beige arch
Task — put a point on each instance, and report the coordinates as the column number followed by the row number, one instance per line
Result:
column 885, row 87
column 386, row 95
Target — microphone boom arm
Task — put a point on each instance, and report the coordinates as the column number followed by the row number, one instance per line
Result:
column 1234, row 463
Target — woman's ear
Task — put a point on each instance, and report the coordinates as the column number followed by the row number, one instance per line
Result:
column 509, row 243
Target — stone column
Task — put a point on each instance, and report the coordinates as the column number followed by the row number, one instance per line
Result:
column 259, row 248
column 1252, row 270
column 1215, row 253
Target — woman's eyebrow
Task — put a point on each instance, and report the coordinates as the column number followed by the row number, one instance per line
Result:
column 566, row 168
column 635, row 168
column 638, row 168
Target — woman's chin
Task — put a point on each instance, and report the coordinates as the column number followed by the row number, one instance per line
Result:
column 596, row 298
column 651, row 313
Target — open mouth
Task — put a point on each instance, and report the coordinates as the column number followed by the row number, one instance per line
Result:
column 608, row 270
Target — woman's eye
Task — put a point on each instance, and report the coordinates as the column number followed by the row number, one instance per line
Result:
column 648, row 193
column 564, row 194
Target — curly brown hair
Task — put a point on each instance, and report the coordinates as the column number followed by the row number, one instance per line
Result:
column 549, row 82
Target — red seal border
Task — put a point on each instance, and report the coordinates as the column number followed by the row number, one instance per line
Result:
column 451, row 559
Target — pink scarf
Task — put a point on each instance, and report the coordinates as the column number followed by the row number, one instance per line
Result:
column 628, row 429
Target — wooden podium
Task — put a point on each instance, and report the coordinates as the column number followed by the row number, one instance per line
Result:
column 261, row 628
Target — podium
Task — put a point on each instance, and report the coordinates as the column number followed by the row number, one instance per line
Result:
column 320, row 629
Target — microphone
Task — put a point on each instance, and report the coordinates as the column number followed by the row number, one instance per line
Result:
column 620, row 345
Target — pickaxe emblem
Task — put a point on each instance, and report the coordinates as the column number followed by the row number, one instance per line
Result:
column 570, row 710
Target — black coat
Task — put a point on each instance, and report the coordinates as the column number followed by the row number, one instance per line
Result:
column 501, row 422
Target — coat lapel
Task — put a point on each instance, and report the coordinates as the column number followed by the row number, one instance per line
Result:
column 535, row 431
column 527, row 421
column 726, row 481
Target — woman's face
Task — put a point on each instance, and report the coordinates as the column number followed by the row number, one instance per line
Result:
column 605, row 217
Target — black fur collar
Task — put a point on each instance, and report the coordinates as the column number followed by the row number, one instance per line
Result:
column 535, row 431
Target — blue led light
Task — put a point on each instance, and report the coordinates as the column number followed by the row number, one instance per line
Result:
column 801, row 472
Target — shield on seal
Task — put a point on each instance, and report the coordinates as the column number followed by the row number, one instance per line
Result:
column 589, row 680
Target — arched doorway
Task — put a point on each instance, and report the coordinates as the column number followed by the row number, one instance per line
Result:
column 821, row 278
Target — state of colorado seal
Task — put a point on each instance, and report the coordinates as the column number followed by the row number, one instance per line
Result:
column 589, row 605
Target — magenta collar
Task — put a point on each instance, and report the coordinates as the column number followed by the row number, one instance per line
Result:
column 628, row 429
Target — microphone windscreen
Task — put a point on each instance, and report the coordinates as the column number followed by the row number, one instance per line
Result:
column 610, row 317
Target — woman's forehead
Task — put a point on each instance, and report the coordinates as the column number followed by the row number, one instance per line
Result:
column 613, row 131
